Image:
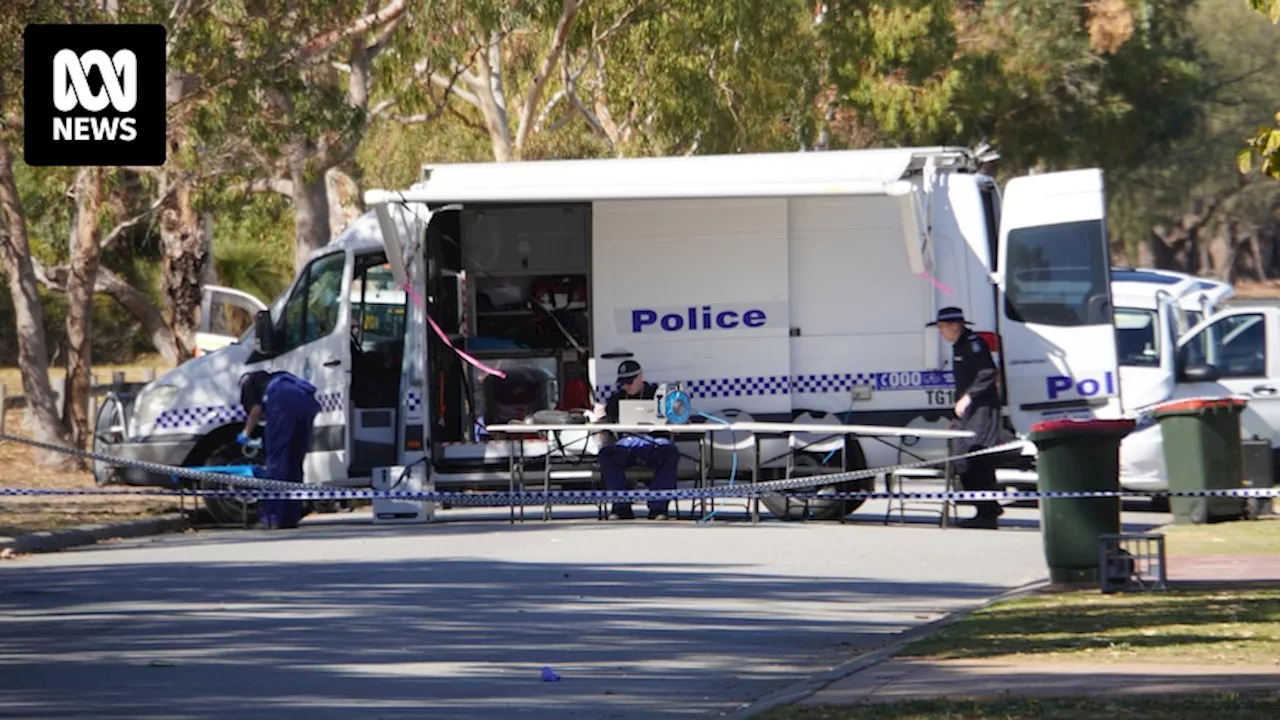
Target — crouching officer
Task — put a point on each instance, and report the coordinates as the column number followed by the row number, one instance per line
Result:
column 618, row 454
column 977, row 409
column 290, row 407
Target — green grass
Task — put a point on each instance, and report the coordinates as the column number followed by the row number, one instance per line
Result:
column 1226, row 538
column 1183, row 707
column 1237, row 626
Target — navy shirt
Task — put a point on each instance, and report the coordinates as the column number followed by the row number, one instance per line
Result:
column 975, row 370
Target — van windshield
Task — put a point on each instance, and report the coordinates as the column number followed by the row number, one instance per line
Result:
column 1057, row 275
column 1137, row 342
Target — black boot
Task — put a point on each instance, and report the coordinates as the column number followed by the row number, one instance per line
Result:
column 622, row 512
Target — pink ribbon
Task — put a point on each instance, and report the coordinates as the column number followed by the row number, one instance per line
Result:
column 445, row 338
column 936, row 282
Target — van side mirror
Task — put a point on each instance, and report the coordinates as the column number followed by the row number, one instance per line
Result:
column 1199, row 372
column 264, row 332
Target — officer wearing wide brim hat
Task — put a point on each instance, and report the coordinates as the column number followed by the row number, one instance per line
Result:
column 977, row 409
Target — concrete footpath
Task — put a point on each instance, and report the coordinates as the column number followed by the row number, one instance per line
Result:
column 55, row 540
column 907, row 679
column 895, row 679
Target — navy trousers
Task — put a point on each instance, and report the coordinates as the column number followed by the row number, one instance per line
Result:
column 662, row 458
column 291, row 409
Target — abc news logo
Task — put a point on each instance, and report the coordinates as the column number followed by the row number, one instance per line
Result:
column 94, row 95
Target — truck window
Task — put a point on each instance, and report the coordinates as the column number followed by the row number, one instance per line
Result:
column 1057, row 275
column 312, row 310
column 1137, row 339
column 1236, row 346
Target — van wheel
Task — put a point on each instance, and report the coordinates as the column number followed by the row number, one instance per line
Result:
column 795, row 507
column 227, row 510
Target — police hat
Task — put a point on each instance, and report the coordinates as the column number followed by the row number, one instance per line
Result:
column 628, row 370
column 949, row 314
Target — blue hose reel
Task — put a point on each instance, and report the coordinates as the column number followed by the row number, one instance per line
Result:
column 673, row 404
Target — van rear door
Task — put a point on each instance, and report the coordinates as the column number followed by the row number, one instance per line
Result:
column 1055, row 314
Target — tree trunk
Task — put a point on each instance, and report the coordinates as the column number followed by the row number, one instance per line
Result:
column 182, row 265
column 33, row 353
column 80, row 285
column 310, row 215
column 342, row 189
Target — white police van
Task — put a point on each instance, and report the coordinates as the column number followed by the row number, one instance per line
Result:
column 779, row 287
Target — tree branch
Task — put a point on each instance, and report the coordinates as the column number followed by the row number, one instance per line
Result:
column 558, row 40
column 130, row 298
column 391, row 12
column 121, row 228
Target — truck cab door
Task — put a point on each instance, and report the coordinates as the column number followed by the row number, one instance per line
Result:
column 1234, row 353
column 1147, row 344
column 225, row 313
column 313, row 342
column 1054, row 299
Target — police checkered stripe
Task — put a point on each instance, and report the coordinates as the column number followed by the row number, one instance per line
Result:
column 200, row 416
column 413, row 401
column 331, row 402
column 739, row 387
column 830, row 382
column 222, row 414
column 810, row 383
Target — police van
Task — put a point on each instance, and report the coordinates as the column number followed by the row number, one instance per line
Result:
column 774, row 287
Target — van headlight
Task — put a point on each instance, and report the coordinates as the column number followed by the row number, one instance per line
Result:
column 151, row 402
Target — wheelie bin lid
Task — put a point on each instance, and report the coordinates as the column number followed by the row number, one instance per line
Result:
column 1081, row 426
column 1195, row 406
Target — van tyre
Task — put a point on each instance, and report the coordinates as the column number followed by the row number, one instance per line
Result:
column 797, row 507
column 226, row 510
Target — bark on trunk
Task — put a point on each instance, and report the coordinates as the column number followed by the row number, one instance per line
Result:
column 182, row 266
column 80, row 285
column 343, row 196
column 310, row 215
column 33, row 353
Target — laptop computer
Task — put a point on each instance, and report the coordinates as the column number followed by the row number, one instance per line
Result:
column 639, row 412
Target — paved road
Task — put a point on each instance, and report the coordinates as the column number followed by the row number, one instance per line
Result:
column 457, row 619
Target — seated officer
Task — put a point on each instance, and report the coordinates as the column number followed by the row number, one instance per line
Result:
column 618, row 454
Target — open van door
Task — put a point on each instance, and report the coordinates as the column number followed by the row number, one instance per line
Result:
column 1054, row 300
column 225, row 315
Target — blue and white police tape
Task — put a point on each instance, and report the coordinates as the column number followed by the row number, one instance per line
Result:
column 571, row 497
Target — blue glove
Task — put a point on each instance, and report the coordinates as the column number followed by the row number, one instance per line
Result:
column 242, row 438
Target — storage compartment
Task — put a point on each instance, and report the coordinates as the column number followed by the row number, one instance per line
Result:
column 514, row 241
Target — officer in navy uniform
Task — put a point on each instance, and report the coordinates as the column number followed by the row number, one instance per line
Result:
column 290, row 407
column 618, row 454
column 977, row 409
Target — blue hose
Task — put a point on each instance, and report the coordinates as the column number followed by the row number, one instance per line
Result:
column 677, row 409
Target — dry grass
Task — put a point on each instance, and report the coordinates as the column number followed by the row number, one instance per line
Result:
column 1229, row 538
column 11, row 377
column 49, row 512
column 1254, row 289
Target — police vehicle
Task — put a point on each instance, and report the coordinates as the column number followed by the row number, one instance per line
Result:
column 774, row 287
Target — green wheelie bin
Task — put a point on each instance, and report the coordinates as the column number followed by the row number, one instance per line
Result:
column 1203, row 450
column 1075, row 456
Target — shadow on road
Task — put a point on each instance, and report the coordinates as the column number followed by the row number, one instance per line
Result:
column 428, row 638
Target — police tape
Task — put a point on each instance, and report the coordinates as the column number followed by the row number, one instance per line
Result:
column 266, row 489
column 571, row 497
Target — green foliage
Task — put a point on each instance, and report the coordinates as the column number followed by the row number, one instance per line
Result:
column 253, row 246
column 1265, row 144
